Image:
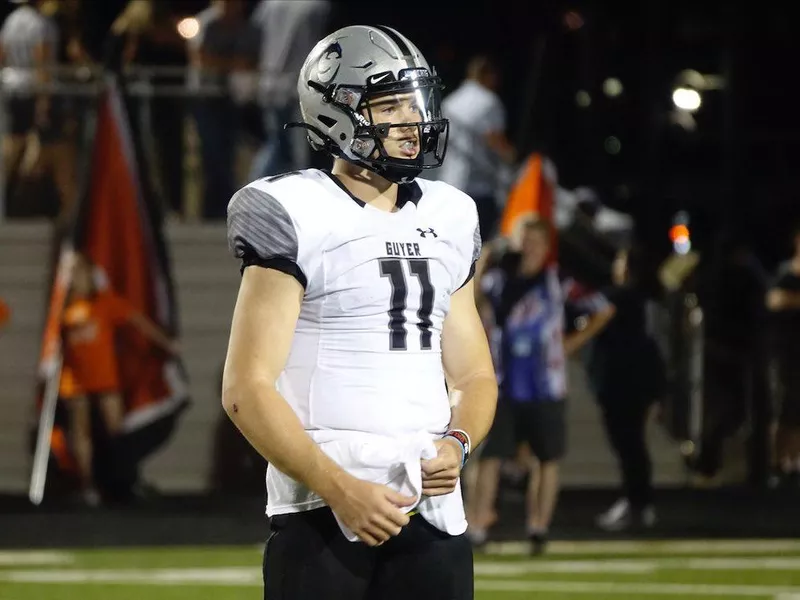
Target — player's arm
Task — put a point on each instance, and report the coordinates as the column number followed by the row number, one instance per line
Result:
column 471, row 380
column 468, row 366
column 263, row 325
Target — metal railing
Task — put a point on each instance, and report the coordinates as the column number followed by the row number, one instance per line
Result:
column 147, row 86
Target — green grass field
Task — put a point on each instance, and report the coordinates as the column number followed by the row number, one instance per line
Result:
column 581, row 570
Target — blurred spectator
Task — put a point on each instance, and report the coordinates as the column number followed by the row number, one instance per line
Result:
column 91, row 316
column 71, row 18
column 289, row 30
column 211, row 13
column 477, row 144
column 783, row 300
column 145, row 34
column 35, row 145
column 731, row 287
column 529, row 299
column 628, row 375
column 229, row 46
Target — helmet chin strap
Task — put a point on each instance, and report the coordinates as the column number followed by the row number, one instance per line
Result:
column 391, row 173
column 395, row 174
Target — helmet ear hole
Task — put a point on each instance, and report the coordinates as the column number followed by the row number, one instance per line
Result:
column 328, row 121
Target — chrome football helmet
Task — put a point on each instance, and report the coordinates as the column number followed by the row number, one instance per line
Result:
column 337, row 88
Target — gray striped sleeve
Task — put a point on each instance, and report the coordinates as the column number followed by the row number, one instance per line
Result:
column 476, row 243
column 476, row 253
column 261, row 232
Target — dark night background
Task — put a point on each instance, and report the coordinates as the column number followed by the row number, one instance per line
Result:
column 736, row 169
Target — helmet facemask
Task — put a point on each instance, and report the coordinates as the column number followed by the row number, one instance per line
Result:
column 400, row 149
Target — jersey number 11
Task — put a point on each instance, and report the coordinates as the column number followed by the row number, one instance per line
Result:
column 398, row 334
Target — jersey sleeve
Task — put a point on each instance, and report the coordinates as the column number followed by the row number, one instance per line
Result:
column 472, row 246
column 262, row 233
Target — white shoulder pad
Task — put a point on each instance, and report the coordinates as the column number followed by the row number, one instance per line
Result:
column 269, row 225
column 462, row 211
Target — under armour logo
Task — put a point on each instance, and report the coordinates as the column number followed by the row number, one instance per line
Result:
column 424, row 232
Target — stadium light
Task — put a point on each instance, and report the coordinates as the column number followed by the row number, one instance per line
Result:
column 686, row 99
column 188, row 28
column 583, row 99
column 612, row 87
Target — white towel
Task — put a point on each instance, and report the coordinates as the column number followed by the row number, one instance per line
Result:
column 396, row 463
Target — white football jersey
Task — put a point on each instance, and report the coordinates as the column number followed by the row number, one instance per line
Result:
column 366, row 354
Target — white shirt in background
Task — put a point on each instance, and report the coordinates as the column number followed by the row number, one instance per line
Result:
column 470, row 165
column 289, row 30
column 22, row 31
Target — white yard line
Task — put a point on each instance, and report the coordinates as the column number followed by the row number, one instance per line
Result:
column 636, row 566
column 226, row 576
column 505, row 569
column 251, row 577
column 635, row 589
column 652, row 547
column 24, row 558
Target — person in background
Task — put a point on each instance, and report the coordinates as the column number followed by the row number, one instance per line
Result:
column 478, row 145
column 289, row 30
column 193, row 44
column 90, row 371
column 145, row 34
column 230, row 45
column 627, row 373
column 530, row 299
column 783, row 301
column 29, row 44
column 731, row 286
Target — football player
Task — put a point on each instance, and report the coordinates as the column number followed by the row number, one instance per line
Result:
column 354, row 328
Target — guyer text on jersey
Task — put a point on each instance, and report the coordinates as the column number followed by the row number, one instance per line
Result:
column 402, row 249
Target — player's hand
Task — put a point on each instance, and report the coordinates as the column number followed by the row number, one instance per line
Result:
column 440, row 475
column 371, row 511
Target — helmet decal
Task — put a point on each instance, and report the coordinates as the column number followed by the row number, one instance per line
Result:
column 329, row 62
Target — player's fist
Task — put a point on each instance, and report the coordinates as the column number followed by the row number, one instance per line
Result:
column 440, row 475
column 371, row 511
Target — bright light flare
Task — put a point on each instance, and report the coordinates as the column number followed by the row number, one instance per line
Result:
column 686, row 99
column 188, row 28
